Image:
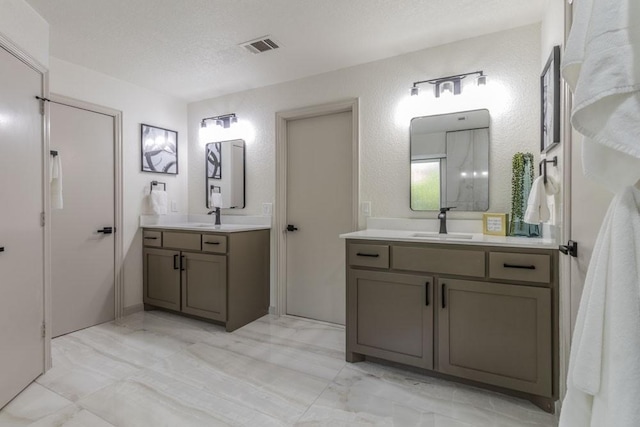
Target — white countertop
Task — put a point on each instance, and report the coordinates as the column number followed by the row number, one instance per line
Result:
column 200, row 222
column 208, row 227
column 451, row 238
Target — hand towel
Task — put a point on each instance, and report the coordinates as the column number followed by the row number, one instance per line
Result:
column 216, row 200
column 602, row 65
column 158, row 202
column 55, row 181
column 603, row 385
column 551, row 187
column 537, row 208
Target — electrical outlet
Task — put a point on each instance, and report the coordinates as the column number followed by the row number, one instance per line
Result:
column 365, row 207
column 267, row 209
column 174, row 206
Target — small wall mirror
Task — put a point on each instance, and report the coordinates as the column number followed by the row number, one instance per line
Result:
column 225, row 162
column 450, row 161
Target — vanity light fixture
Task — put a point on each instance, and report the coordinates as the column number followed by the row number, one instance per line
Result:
column 225, row 121
column 450, row 84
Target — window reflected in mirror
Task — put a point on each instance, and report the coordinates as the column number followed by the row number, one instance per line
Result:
column 425, row 185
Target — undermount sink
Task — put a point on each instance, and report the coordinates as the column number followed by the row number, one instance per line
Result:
column 438, row 236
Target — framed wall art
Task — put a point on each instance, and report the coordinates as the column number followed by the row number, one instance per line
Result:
column 550, row 102
column 159, row 149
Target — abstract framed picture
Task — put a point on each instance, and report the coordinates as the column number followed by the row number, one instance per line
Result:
column 214, row 160
column 159, row 149
column 550, row 102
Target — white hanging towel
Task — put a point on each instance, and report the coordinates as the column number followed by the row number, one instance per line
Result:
column 55, row 181
column 216, row 200
column 603, row 385
column 158, row 202
column 602, row 65
column 537, row 208
column 551, row 187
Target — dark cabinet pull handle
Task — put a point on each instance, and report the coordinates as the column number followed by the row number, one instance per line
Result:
column 444, row 301
column 2, row 249
column 151, row 238
column 211, row 243
column 183, row 263
column 368, row 255
column 106, row 230
column 426, row 294
column 175, row 262
column 525, row 267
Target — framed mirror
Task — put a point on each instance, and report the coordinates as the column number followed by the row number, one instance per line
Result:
column 225, row 174
column 450, row 161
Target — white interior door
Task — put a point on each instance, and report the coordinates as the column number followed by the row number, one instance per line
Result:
column 21, row 233
column 319, row 205
column 589, row 204
column 82, row 260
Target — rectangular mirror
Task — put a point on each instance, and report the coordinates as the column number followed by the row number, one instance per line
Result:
column 450, row 161
column 224, row 169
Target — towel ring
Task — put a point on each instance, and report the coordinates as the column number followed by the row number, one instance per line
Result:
column 544, row 162
column 154, row 183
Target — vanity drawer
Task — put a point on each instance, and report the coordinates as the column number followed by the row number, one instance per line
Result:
column 441, row 261
column 152, row 238
column 376, row 256
column 214, row 243
column 171, row 239
column 519, row 266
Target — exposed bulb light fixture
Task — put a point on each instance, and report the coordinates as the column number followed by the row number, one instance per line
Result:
column 450, row 84
column 224, row 121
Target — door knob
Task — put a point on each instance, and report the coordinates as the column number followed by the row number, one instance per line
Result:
column 291, row 227
column 106, row 230
column 571, row 248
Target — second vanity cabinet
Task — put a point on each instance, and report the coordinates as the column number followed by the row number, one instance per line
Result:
column 480, row 313
column 218, row 276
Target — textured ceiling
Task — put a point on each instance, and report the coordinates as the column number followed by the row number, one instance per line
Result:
column 189, row 48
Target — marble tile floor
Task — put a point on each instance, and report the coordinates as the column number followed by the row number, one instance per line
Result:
column 158, row 369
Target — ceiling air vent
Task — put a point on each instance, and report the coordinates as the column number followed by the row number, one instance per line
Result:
column 262, row 44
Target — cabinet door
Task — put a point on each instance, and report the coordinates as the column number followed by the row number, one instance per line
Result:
column 162, row 278
column 497, row 334
column 204, row 285
column 391, row 316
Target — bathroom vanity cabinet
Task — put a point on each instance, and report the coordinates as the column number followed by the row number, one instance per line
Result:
column 218, row 276
column 487, row 315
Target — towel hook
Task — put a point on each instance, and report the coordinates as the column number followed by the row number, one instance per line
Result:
column 544, row 162
column 153, row 183
column 53, row 153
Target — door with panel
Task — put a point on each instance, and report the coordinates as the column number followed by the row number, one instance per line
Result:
column 161, row 278
column 204, row 285
column 82, row 240
column 589, row 204
column 497, row 334
column 319, row 209
column 391, row 317
column 22, row 356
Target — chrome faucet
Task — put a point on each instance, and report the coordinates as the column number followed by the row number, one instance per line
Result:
column 217, row 212
column 442, row 216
